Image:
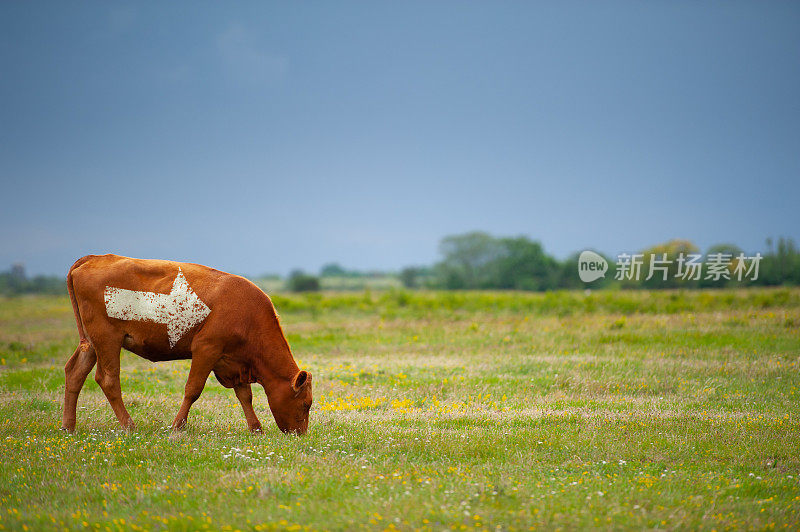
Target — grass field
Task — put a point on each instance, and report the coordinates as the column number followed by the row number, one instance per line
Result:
column 659, row 410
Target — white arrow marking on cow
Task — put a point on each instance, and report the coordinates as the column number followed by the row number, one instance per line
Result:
column 181, row 309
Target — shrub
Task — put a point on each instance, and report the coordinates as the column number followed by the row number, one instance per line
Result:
column 300, row 281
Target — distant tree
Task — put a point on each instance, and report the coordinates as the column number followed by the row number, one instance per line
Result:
column 300, row 281
column 780, row 264
column 449, row 278
column 677, row 253
column 410, row 276
column 466, row 258
column 479, row 260
column 17, row 272
column 332, row 270
column 721, row 252
column 15, row 282
column 523, row 265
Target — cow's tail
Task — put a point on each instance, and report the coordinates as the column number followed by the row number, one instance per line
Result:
column 85, row 344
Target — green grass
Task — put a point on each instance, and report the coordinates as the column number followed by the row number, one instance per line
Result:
column 661, row 410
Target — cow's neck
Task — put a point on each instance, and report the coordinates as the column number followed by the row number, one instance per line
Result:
column 272, row 359
column 274, row 369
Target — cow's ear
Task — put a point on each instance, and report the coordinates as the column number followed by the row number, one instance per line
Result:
column 303, row 378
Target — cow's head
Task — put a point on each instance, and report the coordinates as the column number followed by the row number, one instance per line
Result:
column 291, row 402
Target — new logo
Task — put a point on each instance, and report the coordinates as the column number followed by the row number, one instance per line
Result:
column 591, row 266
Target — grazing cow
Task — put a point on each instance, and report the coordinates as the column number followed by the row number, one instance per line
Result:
column 164, row 310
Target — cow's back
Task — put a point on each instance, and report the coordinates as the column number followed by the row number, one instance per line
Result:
column 223, row 293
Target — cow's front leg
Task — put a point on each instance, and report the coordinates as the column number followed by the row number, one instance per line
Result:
column 202, row 364
column 245, row 395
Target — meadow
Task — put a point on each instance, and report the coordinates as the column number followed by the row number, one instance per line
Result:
column 432, row 410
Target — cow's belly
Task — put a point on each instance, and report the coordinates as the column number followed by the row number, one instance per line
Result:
column 154, row 350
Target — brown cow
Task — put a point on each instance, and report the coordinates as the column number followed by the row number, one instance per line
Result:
column 164, row 310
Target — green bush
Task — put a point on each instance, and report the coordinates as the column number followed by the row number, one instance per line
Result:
column 303, row 282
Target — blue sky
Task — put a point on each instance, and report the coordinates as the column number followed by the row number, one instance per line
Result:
column 259, row 137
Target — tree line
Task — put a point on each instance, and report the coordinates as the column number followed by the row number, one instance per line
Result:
column 480, row 261
column 15, row 282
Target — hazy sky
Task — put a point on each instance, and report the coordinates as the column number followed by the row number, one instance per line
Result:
column 261, row 137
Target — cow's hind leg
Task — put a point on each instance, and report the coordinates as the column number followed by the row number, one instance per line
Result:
column 78, row 367
column 107, row 376
column 245, row 395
